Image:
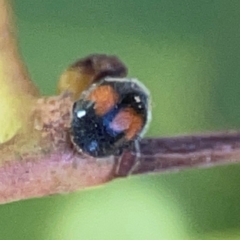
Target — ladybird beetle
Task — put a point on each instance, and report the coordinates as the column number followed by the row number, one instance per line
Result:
column 110, row 116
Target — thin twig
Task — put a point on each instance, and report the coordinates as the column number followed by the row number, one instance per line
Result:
column 63, row 170
column 176, row 153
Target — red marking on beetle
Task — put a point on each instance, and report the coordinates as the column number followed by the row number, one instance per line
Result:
column 128, row 121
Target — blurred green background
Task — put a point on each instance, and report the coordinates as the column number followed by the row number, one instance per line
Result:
column 188, row 54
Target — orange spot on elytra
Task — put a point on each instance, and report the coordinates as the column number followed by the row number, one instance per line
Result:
column 104, row 97
column 128, row 121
